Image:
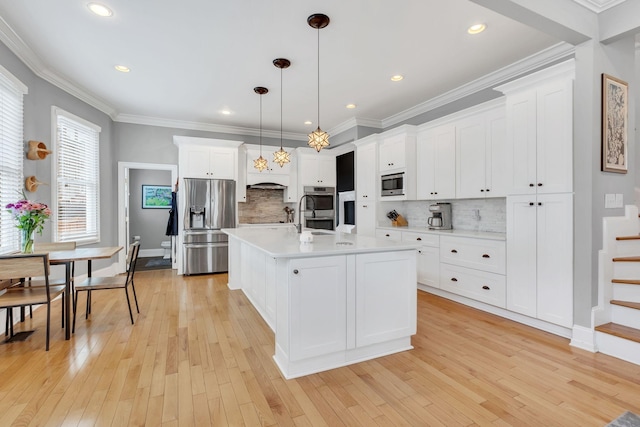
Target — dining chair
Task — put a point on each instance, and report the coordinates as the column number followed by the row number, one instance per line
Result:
column 17, row 267
column 122, row 281
column 42, row 247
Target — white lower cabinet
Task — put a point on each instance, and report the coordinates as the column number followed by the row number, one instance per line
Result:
column 318, row 318
column 479, row 285
column 540, row 262
column 428, row 258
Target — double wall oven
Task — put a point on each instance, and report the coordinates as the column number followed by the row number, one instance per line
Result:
column 319, row 208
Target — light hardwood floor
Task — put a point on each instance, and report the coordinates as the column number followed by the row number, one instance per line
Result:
column 200, row 355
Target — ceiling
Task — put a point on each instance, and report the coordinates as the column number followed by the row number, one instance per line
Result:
column 192, row 59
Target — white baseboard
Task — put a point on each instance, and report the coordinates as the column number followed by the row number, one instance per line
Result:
column 147, row 253
column 584, row 338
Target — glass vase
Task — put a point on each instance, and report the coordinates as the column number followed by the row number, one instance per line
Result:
column 26, row 241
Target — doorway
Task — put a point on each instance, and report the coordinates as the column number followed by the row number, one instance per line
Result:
column 124, row 206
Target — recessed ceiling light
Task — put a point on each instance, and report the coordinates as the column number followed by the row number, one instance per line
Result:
column 476, row 29
column 100, row 9
column 396, row 78
column 226, row 112
column 351, row 106
column 308, row 122
column 122, row 68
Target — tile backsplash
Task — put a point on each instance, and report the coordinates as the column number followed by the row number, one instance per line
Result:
column 487, row 215
column 263, row 207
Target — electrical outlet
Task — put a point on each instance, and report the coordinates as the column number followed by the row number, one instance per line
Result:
column 619, row 201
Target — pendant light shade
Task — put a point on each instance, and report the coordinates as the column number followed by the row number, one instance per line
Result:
column 281, row 157
column 318, row 139
column 260, row 163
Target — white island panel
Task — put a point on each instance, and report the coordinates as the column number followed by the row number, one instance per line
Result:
column 340, row 300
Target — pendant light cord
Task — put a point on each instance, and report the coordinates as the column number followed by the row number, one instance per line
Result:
column 318, row 78
column 281, row 110
column 260, row 125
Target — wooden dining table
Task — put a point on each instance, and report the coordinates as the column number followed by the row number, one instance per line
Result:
column 67, row 258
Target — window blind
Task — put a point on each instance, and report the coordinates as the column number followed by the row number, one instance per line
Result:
column 76, row 202
column 11, row 156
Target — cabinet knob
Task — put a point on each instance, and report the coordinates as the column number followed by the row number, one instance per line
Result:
column 482, row 190
column 453, row 279
column 453, row 251
column 419, row 238
column 387, row 235
column 539, row 184
column 431, row 192
column 419, row 251
column 487, row 190
column 531, row 185
column 486, row 288
column 486, row 256
column 435, row 192
column 539, row 203
column 531, row 203
column 295, row 271
column 365, row 206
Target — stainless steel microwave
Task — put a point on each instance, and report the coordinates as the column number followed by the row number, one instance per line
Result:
column 392, row 185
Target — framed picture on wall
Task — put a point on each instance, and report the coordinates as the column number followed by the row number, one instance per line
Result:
column 614, row 124
column 156, row 197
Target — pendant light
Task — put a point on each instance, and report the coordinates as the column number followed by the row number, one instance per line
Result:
column 281, row 157
column 260, row 163
column 318, row 139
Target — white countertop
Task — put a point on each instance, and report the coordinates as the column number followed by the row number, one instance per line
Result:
column 284, row 242
column 453, row 232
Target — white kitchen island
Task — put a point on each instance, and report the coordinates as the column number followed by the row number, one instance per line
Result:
column 339, row 300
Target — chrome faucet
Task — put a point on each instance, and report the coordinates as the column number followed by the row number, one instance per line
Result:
column 299, row 225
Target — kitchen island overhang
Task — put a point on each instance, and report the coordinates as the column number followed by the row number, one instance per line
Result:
column 339, row 300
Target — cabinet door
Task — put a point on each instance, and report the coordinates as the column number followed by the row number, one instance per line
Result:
column 318, row 306
column 436, row 163
column 326, row 171
column 366, row 217
column 366, row 173
column 521, row 254
column 496, row 153
column 521, row 142
column 392, row 153
column 222, row 164
column 196, row 162
column 386, row 292
column 428, row 266
column 555, row 258
column 470, row 158
column 445, row 164
column 554, row 138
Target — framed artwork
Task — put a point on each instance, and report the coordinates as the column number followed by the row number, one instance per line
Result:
column 614, row 124
column 156, row 197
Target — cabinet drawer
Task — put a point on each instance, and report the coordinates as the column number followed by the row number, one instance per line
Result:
column 389, row 234
column 485, row 255
column 486, row 287
column 425, row 239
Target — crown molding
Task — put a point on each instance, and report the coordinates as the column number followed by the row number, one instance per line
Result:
column 207, row 127
column 353, row 122
column 540, row 59
column 31, row 60
column 599, row 5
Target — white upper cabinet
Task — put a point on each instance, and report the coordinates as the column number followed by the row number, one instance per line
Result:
column 540, row 131
column 316, row 169
column 481, row 154
column 272, row 168
column 436, row 163
column 366, row 173
column 207, row 158
column 392, row 153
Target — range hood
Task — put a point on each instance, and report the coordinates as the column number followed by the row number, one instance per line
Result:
column 267, row 186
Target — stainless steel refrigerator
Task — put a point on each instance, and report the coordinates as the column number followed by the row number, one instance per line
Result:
column 210, row 205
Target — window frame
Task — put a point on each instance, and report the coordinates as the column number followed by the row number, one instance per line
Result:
column 9, row 241
column 56, row 235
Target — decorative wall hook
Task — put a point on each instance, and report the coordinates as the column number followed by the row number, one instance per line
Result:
column 37, row 150
column 31, row 183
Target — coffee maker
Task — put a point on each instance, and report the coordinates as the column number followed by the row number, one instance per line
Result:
column 440, row 218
